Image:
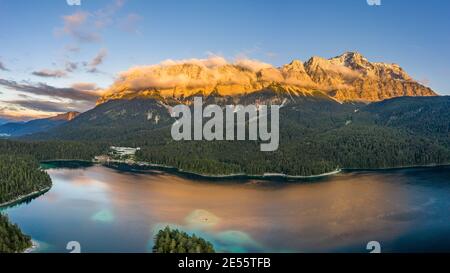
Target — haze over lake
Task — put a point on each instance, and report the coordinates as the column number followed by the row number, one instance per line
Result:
column 109, row 210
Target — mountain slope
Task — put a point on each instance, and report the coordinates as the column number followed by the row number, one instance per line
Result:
column 111, row 121
column 123, row 120
column 428, row 117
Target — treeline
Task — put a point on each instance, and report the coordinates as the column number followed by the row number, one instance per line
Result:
column 220, row 158
column 381, row 147
column 174, row 241
column 53, row 150
column 11, row 238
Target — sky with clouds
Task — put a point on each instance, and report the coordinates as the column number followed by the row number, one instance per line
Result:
column 56, row 58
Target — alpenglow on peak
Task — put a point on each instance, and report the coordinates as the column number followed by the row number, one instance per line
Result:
column 347, row 77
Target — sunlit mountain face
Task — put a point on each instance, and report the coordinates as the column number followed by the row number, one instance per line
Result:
column 348, row 77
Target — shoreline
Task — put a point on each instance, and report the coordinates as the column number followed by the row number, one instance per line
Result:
column 23, row 197
column 396, row 168
column 32, row 248
column 268, row 175
column 265, row 176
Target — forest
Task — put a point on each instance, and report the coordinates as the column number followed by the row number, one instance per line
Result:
column 170, row 240
column 357, row 146
column 12, row 240
column 19, row 176
column 317, row 135
column 53, row 150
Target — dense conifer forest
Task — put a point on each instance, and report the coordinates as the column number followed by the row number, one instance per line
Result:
column 20, row 176
column 12, row 240
column 53, row 150
column 174, row 241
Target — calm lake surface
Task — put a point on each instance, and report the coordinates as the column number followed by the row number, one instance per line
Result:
column 108, row 210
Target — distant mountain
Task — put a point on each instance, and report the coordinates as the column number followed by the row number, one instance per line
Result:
column 116, row 119
column 3, row 121
column 348, row 77
column 16, row 129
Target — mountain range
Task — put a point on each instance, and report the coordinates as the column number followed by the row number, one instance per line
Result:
column 3, row 121
column 348, row 77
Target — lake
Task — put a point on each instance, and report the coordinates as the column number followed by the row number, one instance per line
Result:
column 112, row 210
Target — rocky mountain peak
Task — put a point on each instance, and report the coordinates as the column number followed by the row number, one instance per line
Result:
column 316, row 61
column 347, row 77
column 295, row 65
column 353, row 60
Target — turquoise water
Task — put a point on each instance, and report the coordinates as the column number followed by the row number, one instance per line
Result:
column 108, row 210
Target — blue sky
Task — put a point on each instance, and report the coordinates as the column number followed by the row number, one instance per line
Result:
column 49, row 44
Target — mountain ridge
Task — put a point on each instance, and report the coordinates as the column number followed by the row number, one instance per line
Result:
column 347, row 77
column 15, row 129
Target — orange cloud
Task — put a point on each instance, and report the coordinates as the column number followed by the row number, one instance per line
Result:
column 253, row 65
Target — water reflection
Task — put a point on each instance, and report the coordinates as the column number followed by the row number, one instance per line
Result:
column 112, row 211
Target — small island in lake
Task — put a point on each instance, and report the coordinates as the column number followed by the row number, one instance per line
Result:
column 174, row 241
